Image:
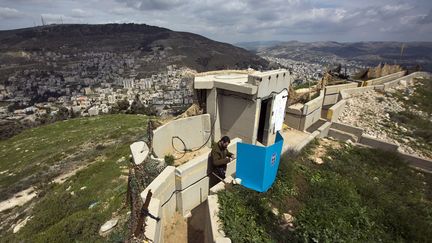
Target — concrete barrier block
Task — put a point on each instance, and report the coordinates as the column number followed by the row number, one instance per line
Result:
column 330, row 99
column 314, row 104
column 153, row 230
column 358, row 90
column 342, row 136
column 379, row 87
column 293, row 120
column 139, row 152
column 192, row 196
column 192, row 171
column 197, row 168
column 296, row 109
column 231, row 168
column 214, row 230
column 387, row 78
column 358, row 132
column 310, row 119
column 376, row 143
column 335, row 89
column 324, row 129
column 336, row 110
column 216, row 188
column 163, row 187
column 417, row 162
column 195, row 131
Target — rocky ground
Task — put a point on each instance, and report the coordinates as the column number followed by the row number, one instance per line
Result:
column 375, row 111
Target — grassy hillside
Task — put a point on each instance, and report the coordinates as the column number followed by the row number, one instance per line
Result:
column 75, row 209
column 357, row 195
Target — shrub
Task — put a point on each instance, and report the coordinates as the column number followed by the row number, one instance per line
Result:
column 169, row 159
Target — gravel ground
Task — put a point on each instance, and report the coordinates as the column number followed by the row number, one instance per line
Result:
column 370, row 111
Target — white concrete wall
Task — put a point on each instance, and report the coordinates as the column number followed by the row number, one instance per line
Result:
column 331, row 93
column 302, row 117
column 193, row 181
column 194, row 131
column 385, row 79
column 238, row 117
column 271, row 81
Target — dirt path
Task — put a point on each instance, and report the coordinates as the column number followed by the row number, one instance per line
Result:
column 28, row 194
column 18, row 199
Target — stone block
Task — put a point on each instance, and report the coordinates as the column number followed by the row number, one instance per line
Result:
column 330, row 99
column 342, row 136
column 293, row 120
column 139, row 152
column 324, row 129
column 197, row 168
column 192, row 196
column 376, row 143
column 153, row 230
column 231, row 168
column 358, row 132
column 417, row 162
column 194, row 132
column 336, row 110
column 314, row 104
column 163, row 188
column 310, row 119
column 335, row 89
column 214, row 232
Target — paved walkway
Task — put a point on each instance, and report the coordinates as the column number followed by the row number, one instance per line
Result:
column 293, row 138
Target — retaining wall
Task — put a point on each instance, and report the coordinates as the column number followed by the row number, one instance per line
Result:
column 335, row 111
column 194, row 132
column 384, row 79
column 301, row 117
column 331, row 93
column 182, row 189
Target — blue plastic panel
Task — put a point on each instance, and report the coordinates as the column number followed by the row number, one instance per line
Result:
column 257, row 166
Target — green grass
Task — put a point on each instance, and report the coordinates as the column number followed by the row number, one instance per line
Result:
column 30, row 154
column 358, row 195
column 59, row 216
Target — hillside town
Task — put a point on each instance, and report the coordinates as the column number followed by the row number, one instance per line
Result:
column 90, row 84
column 311, row 70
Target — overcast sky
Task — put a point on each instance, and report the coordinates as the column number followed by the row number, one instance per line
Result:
column 247, row 20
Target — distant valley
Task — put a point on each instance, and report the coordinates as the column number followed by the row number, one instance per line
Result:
column 408, row 54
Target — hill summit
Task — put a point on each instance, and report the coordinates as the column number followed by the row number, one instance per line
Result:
column 170, row 47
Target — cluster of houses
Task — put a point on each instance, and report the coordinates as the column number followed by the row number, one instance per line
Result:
column 90, row 84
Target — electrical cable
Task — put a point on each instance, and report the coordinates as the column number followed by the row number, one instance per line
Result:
column 185, row 150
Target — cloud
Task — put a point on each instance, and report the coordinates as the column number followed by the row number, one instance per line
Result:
column 427, row 19
column 153, row 4
column 242, row 20
column 79, row 13
column 9, row 13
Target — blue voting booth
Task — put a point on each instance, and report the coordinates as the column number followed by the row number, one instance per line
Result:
column 257, row 166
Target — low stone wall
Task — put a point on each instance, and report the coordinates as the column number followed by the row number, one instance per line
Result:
column 351, row 132
column 301, row 117
column 162, row 204
column 384, row 79
column 356, row 131
column 214, row 232
column 336, row 110
column 182, row 189
column 331, row 93
column 408, row 78
column 192, row 180
column 194, row 132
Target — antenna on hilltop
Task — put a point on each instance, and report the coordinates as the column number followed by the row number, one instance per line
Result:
column 61, row 19
column 43, row 21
